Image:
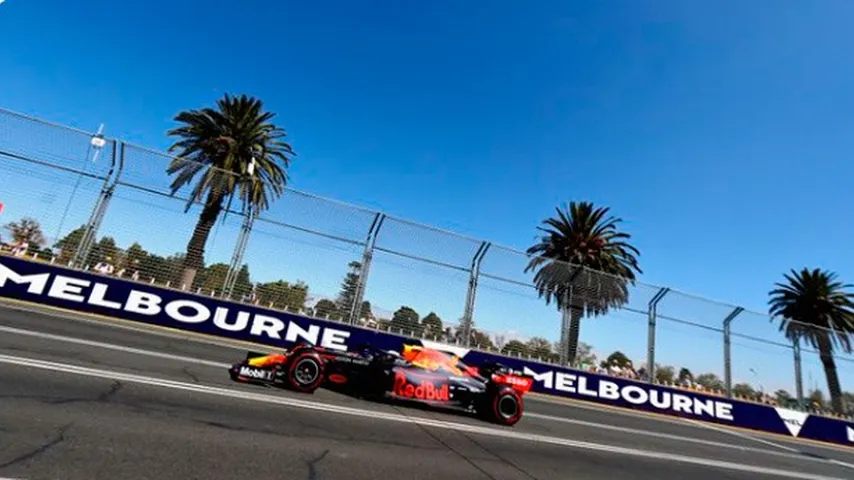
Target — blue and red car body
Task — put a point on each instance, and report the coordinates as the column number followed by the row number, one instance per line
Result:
column 415, row 374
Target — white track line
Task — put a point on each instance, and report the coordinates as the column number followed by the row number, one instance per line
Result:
column 110, row 346
column 494, row 432
column 600, row 426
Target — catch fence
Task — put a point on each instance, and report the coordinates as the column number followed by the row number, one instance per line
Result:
column 109, row 206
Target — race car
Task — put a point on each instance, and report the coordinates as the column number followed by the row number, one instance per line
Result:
column 415, row 374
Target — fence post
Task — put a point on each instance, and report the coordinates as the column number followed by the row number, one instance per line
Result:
column 474, row 274
column 367, row 257
column 727, row 355
column 90, row 231
column 650, row 340
column 239, row 252
column 799, row 378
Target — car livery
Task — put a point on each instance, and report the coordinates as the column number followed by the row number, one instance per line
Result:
column 415, row 374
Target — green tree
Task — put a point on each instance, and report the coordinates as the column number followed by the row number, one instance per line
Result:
column 432, row 325
column 577, row 246
column 481, row 340
column 104, row 251
column 515, row 348
column 710, row 381
column 665, row 374
column 365, row 311
column 69, row 243
column 816, row 399
column 406, row 320
column 349, row 285
column 584, row 357
column 814, row 307
column 230, row 151
column 27, row 230
column 540, row 347
column 281, row 294
column 326, row 308
column 212, row 278
column 685, row 375
column 618, row 359
column 744, row 390
column 135, row 256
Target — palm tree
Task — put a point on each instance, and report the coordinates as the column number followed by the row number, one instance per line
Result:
column 576, row 247
column 814, row 306
column 231, row 150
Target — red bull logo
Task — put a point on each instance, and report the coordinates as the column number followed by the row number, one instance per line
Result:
column 425, row 390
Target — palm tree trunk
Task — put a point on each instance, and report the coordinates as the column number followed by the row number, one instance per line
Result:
column 825, row 351
column 195, row 258
column 571, row 318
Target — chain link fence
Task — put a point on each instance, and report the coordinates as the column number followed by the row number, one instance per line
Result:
column 99, row 204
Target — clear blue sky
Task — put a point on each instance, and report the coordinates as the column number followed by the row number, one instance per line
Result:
column 721, row 131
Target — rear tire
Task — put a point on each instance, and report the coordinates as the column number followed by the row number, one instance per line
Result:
column 504, row 407
column 304, row 372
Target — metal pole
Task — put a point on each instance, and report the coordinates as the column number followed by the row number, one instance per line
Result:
column 100, row 209
column 239, row 252
column 474, row 274
column 799, row 378
column 367, row 258
column 727, row 355
column 650, row 341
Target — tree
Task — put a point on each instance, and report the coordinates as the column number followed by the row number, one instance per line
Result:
column 584, row 356
column 135, row 256
column 365, row 310
column 69, row 243
column 432, row 325
column 685, row 375
column 406, row 319
column 813, row 306
column 665, row 374
column 26, row 230
column 349, row 285
column 103, row 251
column 515, row 348
column 230, row 151
column 281, row 294
column 743, row 390
column 710, row 381
column 539, row 347
column 584, row 264
column 618, row 359
column 325, row 308
column 481, row 340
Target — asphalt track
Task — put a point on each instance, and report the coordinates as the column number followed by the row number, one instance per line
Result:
column 87, row 399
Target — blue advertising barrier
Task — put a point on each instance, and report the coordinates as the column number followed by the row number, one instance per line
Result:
column 85, row 292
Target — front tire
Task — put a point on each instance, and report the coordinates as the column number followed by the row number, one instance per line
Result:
column 304, row 372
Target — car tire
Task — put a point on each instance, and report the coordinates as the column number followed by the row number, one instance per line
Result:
column 504, row 407
column 304, row 372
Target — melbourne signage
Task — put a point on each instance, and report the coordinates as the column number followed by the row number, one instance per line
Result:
column 658, row 399
column 180, row 311
column 86, row 292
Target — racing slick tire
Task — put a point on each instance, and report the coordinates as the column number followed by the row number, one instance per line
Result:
column 304, row 372
column 503, row 406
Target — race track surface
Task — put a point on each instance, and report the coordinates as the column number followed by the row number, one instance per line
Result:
column 87, row 399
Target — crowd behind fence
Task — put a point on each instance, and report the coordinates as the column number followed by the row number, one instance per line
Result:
column 107, row 206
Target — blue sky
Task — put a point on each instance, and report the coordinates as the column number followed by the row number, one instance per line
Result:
column 720, row 131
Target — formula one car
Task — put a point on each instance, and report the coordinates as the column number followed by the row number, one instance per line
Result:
column 415, row 374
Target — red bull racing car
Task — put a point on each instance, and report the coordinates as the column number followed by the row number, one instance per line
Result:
column 416, row 373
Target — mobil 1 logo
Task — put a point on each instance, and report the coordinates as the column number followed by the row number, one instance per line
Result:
column 256, row 373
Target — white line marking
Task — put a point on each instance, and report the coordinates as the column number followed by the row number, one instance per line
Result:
column 601, row 426
column 766, row 442
column 110, row 346
column 503, row 433
column 668, row 436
